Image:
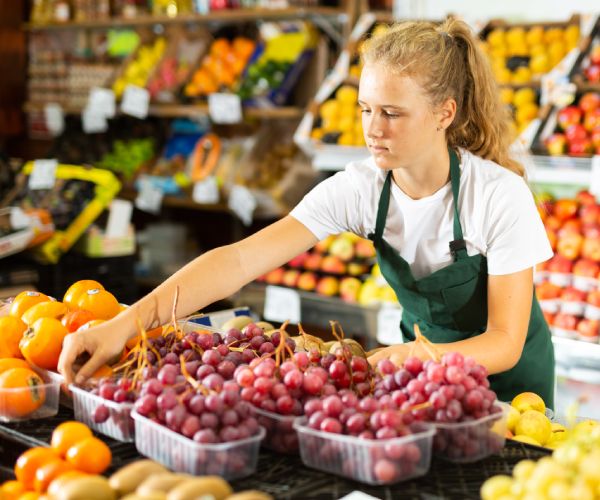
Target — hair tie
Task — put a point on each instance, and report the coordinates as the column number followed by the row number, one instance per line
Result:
column 444, row 33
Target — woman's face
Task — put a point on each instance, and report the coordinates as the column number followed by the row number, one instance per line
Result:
column 399, row 127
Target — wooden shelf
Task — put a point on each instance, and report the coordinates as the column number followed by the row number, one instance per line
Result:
column 190, row 110
column 228, row 15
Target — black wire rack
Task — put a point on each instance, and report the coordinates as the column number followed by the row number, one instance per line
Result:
column 285, row 477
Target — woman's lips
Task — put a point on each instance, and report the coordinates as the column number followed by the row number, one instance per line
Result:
column 378, row 149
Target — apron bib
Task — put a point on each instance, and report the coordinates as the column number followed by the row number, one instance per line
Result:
column 450, row 304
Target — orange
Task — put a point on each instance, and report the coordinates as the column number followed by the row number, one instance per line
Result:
column 100, row 303
column 243, row 46
column 9, row 363
column 42, row 343
column 12, row 490
column 220, row 48
column 103, row 371
column 30, row 461
column 55, row 486
column 76, row 290
column 30, row 495
column 11, row 333
column 50, row 309
column 90, row 455
column 66, row 435
column 25, row 401
column 89, row 324
column 47, row 473
column 24, row 301
column 75, row 319
column 151, row 334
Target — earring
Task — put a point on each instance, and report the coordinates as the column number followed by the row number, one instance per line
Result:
column 440, row 129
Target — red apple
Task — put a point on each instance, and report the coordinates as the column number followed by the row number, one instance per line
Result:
column 313, row 261
column 307, row 281
column 595, row 55
column 328, row 285
column 591, row 230
column 569, row 115
column 571, row 294
column 333, row 265
column 566, row 321
column 590, row 249
column 581, row 147
column 548, row 317
column 290, row 278
column 595, row 136
column 586, row 268
column 569, row 246
column 569, row 226
column 591, row 119
column 275, row 276
column 364, row 249
column 349, row 289
column 342, row 247
column 585, row 198
column 593, row 298
column 592, row 73
column 575, row 132
column 298, row 261
column 552, row 223
column 588, row 214
column 560, row 264
column 588, row 328
column 588, row 101
column 556, row 144
column 564, row 209
column 547, row 291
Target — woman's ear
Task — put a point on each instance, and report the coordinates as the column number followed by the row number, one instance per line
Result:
column 447, row 113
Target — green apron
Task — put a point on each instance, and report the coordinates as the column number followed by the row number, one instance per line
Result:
column 451, row 304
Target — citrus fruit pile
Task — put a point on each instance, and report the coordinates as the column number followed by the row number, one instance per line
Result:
column 340, row 119
column 138, row 70
column 523, row 103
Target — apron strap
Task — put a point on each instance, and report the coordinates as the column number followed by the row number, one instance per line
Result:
column 458, row 247
column 382, row 210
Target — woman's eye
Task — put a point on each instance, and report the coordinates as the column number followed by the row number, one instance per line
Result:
column 365, row 111
column 392, row 116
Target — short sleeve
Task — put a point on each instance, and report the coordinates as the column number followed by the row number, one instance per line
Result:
column 332, row 207
column 516, row 238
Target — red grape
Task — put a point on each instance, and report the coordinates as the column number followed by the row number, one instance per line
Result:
column 454, row 374
column 386, row 433
column 312, row 406
column 438, row 400
column 312, row 384
column 146, row 404
column 327, row 360
column 332, row 406
column 386, row 367
column 293, row 379
column 190, row 426
column 358, row 364
column 284, row 405
column 213, row 382
column 206, row 436
column 211, row 357
column 266, row 348
column 413, row 364
column 331, row 425
column 107, row 391
column 263, row 385
column 100, row 414
column 225, row 368
column 121, row 396
column 453, row 359
column 337, row 370
column 204, row 371
column 356, row 423
column 222, row 349
column 166, row 400
column 384, row 470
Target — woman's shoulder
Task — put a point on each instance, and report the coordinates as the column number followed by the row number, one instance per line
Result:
column 487, row 176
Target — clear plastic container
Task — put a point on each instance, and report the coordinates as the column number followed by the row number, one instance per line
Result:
column 564, row 421
column 368, row 461
column 471, row 441
column 232, row 460
column 16, row 405
column 549, row 413
column 63, row 398
column 119, row 425
column 194, row 327
column 281, row 435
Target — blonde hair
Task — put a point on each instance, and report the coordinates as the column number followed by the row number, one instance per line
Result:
column 446, row 61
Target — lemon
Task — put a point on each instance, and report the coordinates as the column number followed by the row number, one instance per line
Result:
column 347, row 94
column 512, row 419
column 535, row 35
column 524, row 96
column 571, row 34
column 538, row 49
column 347, row 111
column 499, row 51
column 559, row 433
column 518, row 49
column 330, row 125
column 346, row 139
column 496, row 37
column 515, row 36
column 521, row 75
column 552, row 35
column 355, row 70
column 358, row 128
column 504, row 75
column 570, row 46
column 540, row 64
column 557, row 49
column 317, row 133
column 346, row 125
column 329, row 109
column 534, row 425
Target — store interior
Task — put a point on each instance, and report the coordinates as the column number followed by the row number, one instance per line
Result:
column 137, row 135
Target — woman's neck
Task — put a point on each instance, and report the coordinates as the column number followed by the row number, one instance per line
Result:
column 426, row 176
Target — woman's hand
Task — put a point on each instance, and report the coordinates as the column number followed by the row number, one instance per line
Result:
column 396, row 353
column 99, row 343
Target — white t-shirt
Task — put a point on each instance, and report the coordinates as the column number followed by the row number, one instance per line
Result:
column 496, row 208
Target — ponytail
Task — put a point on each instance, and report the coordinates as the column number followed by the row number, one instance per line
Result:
column 446, row 61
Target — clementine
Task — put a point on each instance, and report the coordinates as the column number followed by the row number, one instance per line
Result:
column 100, row 303
column 11, row 333
column 24, row 301
column 12, row 489
column 151, row 334
column 30, row 461
column 75, row 319
column 56, row 485
column 76, row 290
column 50, row 309
column 90, row 455
column 29, row 399
column 48, row 472
column 90, row 324
column 66, row 435
column 42, row 343
column 9, row 363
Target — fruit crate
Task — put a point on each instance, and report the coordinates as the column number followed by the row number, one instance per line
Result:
column 586, row 71
column 232, row 460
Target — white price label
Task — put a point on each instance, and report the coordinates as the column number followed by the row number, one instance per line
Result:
column 242, row 203
column 92, row 122
column 563, row 94
column 206, row 191
column 18, row 219
column 595, row 181
column 388, row 326
column 361, row 27
column 55, row 118
column 43, row 174
column 135, row 101
column 225, row 108
column 587, row 23
column 546, row 89
column 102, row 101
column 149, row 198
column 342, row 65
column 358, row 495
column 282, row 304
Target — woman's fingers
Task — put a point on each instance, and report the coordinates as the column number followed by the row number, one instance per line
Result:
column 73, row 346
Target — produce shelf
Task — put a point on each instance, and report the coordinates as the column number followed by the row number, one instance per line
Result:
column 577, row 360
column 227, row 16
column 286, row 478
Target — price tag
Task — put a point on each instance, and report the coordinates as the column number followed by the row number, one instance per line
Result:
column 206, row 191
column 358, row 495
column 363, row 24
column 135, row 101
column 92, row 122
column 242, row 203
column 546, row 86
column 388, row 326
column 282, row 304
column 563, row 94
column 595, row 181
column 588, row 21
column 225, row 108
column 43, row 174
column 149, row 198
column 102, row 101
column 55, row 118
column 342, row 65
column 18, row 219
column 119, row 218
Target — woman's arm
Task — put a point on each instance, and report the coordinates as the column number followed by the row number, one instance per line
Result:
column 211, row 277
column 500, row 347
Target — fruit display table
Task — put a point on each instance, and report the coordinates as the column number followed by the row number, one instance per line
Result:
column 285, row 477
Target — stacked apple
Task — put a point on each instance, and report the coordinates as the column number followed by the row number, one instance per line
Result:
column 578, row 131
column 592, row 70
column 567, row 284
column 333, row 267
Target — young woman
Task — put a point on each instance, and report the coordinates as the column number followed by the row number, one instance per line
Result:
column 453, row 221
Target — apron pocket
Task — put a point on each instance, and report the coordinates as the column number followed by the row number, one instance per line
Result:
column 467, row 303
